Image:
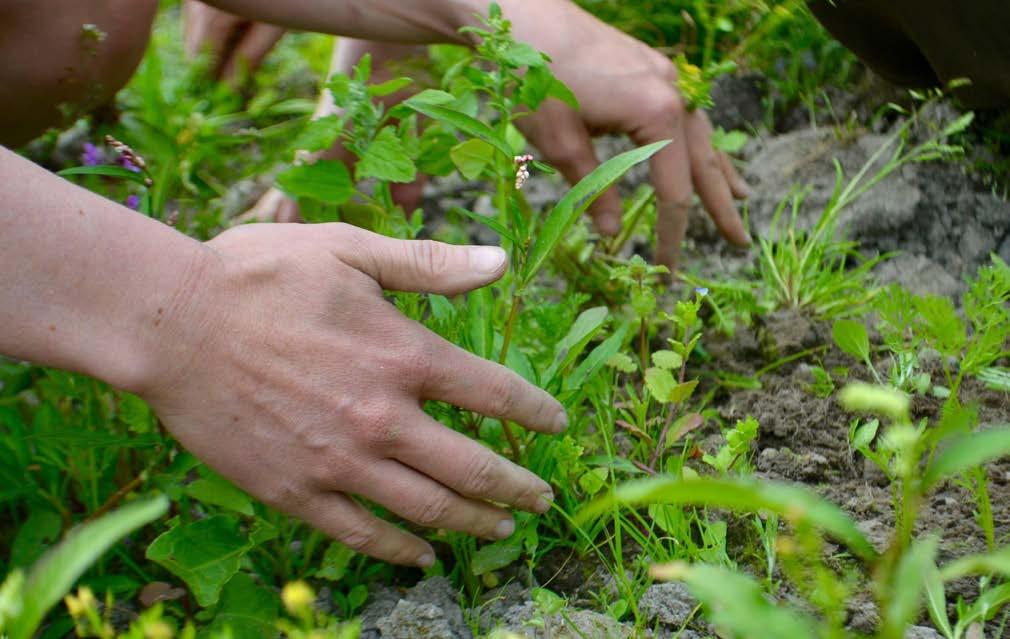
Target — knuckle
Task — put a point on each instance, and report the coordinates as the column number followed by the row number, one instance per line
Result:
column 502, row 394
column 363, row 539
column 662, row 104
column 434, row 511
column 430, row 257
column 480, row 475
column 380, row 427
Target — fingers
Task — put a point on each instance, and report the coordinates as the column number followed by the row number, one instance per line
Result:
column 470, row 469
column 257, row 41
column 737, row 185
column 424, row 501
column 710, row 180
column 564, row 143
column 345, row 520
column 465, row 380
column 207, row 27
column 273, row 206
column 419, row 265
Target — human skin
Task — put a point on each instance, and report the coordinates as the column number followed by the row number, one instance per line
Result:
column 269, row 351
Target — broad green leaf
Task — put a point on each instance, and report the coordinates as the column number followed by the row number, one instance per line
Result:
column 660, row 383
column 495, row 556
column 33, row 538
column 905, row 599
column 730, row 142
column 585, row 327
column 386, row 159
column 206, row 554
column 682, row 392
column 105, row 170
column 521, row 54
column 335, row 561
column 433, row 96
column 463, row 122
column 794, row 503
column 738, row 605
column 488, row 221
column 318, row 134
column 388, row 87
column 997, row 562
column 966, row 453
column 54, row 575
column 851, row 338
column 247, row 609
column 667, row 359
column 865, row 434
column 218, row 491
column 326, row 180
column 593, row 480
column 472, row 157
column 136, row 414
column 577, row 200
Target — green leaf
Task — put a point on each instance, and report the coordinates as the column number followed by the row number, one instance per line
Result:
column 205, row 554
column 495, row 556
column 218, row 491
column 997, row 562
column 488, row 221
column 794, row 503
column 966, row 453
column 597, row 359
column 463, row 122
column 42, row 527
column 851, row 338
column 386, row 159
column 472, row 157
column 738, row 605
column 906, row 590
column 577, row 200
column 326, row 180
column 318, row 134
column 136, row 414
column 936, row 601
column 105, row 170
column 335, row 561
column 54, row 575
column 660, row 383
column 389, row 87
column 247, row 609
column 996, row 378
column 584, row 329
column 667, row 359
column 520, row 54
column 623, row 363
column 730, row 142
column 433, row 96
column 683, row 392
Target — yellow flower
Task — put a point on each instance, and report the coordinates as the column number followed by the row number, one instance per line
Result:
column 297, row 597
column 158, row 630
column 84, row 601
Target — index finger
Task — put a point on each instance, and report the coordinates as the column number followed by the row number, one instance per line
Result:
column 465, row 380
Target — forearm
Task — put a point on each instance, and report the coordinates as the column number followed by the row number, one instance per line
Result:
column 89, row 285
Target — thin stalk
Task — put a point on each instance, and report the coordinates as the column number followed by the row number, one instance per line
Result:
column 506, row 342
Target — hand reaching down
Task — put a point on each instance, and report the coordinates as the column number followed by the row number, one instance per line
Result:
column 296, row 379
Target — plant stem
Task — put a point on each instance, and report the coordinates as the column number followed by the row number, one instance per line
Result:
column 506, row 342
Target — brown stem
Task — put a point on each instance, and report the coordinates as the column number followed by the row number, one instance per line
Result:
column 118, row 496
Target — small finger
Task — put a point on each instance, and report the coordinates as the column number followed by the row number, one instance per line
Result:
column 471, row 469
column 345, row 520
column 426, row 502
column 419, row 265
column 739, row 187
column 465, row 380
column 710, row 181
column 247, row 56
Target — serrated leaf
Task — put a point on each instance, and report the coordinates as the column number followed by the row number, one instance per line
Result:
column 386, row 159
column 851, row 337
column 795, row 503
column 205, row 554
column 667, row 359
column 472, row 157
column 326, row 180
column 577, row 200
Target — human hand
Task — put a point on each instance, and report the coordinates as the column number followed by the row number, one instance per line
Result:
column 625, row 87
column 237, row 44
column 290, row 374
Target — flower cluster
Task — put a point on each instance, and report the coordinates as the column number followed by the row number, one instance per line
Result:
column 522, row 169
column 128, row 158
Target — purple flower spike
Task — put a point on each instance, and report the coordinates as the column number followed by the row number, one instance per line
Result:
column 91, row 155
column 129, row 166
column 133, row 201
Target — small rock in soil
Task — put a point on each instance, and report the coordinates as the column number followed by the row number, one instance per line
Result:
column 586, row 624
column 922, row 632
column 429, row 610
column 668, row 603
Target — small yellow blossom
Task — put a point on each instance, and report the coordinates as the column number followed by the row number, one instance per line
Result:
column 297, row 597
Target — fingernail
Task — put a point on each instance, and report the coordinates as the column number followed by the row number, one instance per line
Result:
column 487, row 259
column 427, row 560
column 505, row 529
column 544, row 502
column 561, row 422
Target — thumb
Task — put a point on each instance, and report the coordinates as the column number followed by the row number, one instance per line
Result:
column 424, row 266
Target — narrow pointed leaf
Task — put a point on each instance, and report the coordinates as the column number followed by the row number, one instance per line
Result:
column 463, row 122
column 488, row 221
column 906, row 591
column 578, row 199
column 967, row 453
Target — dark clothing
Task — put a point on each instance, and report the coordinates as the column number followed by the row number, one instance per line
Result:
column 924, row 43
